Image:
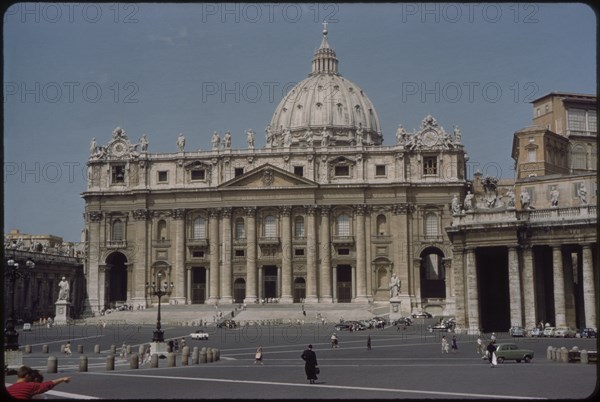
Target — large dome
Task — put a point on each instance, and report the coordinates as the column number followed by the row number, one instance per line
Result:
column 325, row 101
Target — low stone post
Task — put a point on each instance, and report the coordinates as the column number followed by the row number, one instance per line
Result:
column 154, row 361
column 113, row 350
column 44, row 348
column 549, row 353
column 203, row 358
column 564, row 355
column 128, row 350
column 555, row 355
column 217, row 353
column 185, row 355
column 27, row 348
column 79, row 349
column 584, row 356
column 110, row 362
column 52, row 364
column 142, row 350
column 134, row 361
column 209, row 355
column 97, row 349
column 83, row 363
column 195, row 355
column 171, row 359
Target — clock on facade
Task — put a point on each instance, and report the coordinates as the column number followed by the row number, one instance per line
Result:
column 430, row 138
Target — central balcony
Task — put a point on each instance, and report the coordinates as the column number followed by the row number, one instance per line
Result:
column 268, row 241
column 343, row 240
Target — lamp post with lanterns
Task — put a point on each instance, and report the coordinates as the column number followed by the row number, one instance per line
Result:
column 159, row 290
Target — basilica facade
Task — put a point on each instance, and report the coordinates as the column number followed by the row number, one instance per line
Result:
column 323, row 213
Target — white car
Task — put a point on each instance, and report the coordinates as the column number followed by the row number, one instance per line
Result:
column 564, row 332
column 200, row 334
column 27, row 327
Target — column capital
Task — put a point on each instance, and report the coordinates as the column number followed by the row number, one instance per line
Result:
column 402, row 208
column 214, row 212
column 94, row 216
column 250, row 211
column 141, row 214
column 325, row 210
column 310, row 209
column 361, row 209
column 226, row 212
column 178, row 213
column 285, row 210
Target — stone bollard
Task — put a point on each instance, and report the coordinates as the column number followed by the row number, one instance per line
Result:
column 195, row 355
column 52, row 364
column 44, row 348
column 210, row 357
column 83, row 364
column 171, row 359
column 128, row 350
column 110, row 362
column 27, row 348
column 564, row 355
column 154, row 361
column 555, row 354
column 134, row 361
column 97, row 349
column 185, row 355
column 584, row 356
column 549, row 353
column 79, row 349
column 142, row 350
column 217, row 354
column 203, row 358
column 113, row 350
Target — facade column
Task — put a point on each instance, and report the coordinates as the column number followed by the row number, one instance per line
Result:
column 448, row 277
column 93, row 304
column 213, row 224
column 559, row 287
column 311, row 255
column 417, row 301
column 227, row 271
column 251, row 256
column 361, row 255
column 353, row 272
column 261, row 281
column 188, row 290
column 458, row 268
column 472, row 292
column 140, row 261
column 400, row 244
column 514, row 287
column 284, row 274
column 528, row 287
column 589, row 291
column 278, row 289
column 325, row 295
column 101, row 285
column 334, row 273
column 178, row 276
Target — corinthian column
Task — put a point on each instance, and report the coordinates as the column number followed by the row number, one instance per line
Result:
column 311, row 256
column 213, row 224
column 589, row 292
column 559, row 287
column 472, row 292
column 140, row 216
column 528, row 287
column 227, row 271
column 514, row 287
column 325, row 249
column 361, row 255
column 179, row 274
column 286, row 256
column 251, row 256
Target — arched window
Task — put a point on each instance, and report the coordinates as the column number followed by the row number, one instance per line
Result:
column 270, row 226
column 117, row 230
column 240, row 229
column 161, row 230
column 381, row 225
column 299, row 226
column 343, row 225
column 199, row 228
column 431, row 224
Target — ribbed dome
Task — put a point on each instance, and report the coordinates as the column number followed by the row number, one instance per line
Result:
column 325, row 100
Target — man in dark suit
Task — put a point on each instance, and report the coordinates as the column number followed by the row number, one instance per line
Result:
column 310, row 364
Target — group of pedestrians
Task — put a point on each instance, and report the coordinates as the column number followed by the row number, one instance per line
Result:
column 446, row 345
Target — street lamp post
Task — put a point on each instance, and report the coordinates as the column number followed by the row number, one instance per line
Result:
column 12, row 273
column 156, row 289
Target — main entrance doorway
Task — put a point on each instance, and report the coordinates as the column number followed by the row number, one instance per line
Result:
column 198, row 285
column 116, row 280
column 269, row 282
column 344, row 283
column 239, row 290
column 299, row 290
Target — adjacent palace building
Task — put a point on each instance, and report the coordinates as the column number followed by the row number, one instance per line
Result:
column 325, row 213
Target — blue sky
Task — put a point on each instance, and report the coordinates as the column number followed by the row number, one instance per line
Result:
column 77, row 71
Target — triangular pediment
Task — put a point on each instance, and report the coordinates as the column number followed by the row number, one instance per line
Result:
column 268, row 176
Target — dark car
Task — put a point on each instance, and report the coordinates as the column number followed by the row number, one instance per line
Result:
column 510, row 351
column 588, row 333
column 343, row 326
column 422, row 314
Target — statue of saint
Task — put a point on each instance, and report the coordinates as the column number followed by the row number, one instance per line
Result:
column 287, row 137
column 180, row 142
column 269, row 135
column 511, row 198
column 308, row 136
column 468, row 204
column 63, row 293
column 93, row 147
column 401, row 134
column 324, row 137
column 215, row 140
column 144, row 143
column 554, row 197
column 455, row 205
column 582, row 193
column 227, row 140
column 250, row 138
column 394, row 285
column 457, row 134
column 525, row 199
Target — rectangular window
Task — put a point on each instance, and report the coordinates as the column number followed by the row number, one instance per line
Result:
column 299, row 170
column 299, row 228
column 162, row 176
column 531, row 155
column 576, row 121
column 592, row 121
column 343, row 251
column 118, row 174
column 380, row 170
column 341, row 170
column 239, row 253
column 238, row 171
column 198, row 174
column 198, row 254
column 430, row 165
column 299, row 252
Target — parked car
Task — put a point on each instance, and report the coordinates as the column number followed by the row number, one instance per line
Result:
column 422, row 314
column 402, row 321
column 548, row 332
column 535, row 331
column 516, row 330
column 27, row 327
column 564, row 332
column 200, row 334
column 441, row 326
column 343, row 326
column 511, row 351
column 588, row 333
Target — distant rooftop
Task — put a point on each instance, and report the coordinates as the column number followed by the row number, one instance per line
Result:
column 571, row 95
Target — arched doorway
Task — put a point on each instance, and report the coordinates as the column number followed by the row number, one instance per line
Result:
column 433, row 274
column 116, row 280
column 493, row 288
column 299, row 290
column 239, row 290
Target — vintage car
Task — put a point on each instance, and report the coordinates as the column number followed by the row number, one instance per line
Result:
column 548, row 332
column 516, row 330
column 564, row 332
column 535, row 331
column 510, row 351
column 199, row 334
column 422, row 314
column 588, row 333
column 27, row 327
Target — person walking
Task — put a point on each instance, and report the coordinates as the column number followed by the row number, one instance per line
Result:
column 479, row 348
column 454, row 344
column 311, row 366
column 444, row 344
column 491, row 349
column 368, row 342
column 26, row 388
column 258, row 356
column 67, row 349
column 334, row 341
